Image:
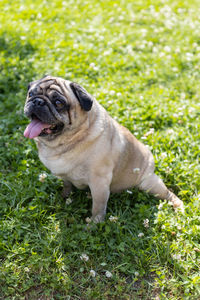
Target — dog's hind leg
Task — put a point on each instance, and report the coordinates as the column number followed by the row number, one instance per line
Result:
column 153, row 184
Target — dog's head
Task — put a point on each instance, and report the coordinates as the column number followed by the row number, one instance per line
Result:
column 53, row 105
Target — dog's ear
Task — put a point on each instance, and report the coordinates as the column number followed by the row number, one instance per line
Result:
column 84, row 98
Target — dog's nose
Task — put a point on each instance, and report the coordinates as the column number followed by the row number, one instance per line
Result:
column 38, row 102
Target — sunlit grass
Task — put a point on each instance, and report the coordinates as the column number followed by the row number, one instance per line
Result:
column 141, row 60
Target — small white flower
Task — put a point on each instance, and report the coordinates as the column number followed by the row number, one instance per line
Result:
column 112, row 93
column 151, row 131
column 136, row 274
column 170, row 131
column 150, row 43
column 68, row 201
column 92, row 65
column 144, row 31
column 88, row 220
column 108, row 274
column 129, row 192
column 146, row 223
column 136, row 170
column 167, row 49
column 26, row 269
column 163, row 155
column 42, row 177
column 160, row 206
column 92, row 273
column 107, row 52
column 141, row 234
column 176, row 256
column 113, row 219
column 84, row 257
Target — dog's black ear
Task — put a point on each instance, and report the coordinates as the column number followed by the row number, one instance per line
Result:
column 84, row 98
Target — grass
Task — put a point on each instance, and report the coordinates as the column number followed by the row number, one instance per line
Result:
column 141, row 59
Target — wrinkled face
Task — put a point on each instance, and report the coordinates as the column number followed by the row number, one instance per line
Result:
column 52, row 105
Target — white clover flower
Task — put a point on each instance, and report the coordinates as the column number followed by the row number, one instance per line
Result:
column 68, row 201
column 136, row 170
column 84, row 257
column 146, row 223
column 88, row 220
column 113, row 219
column 155, row 50
column 129, row 192
column 151, row 131
column 150, row 43
column 42, row 177
column 94, row 67
column 176, row 256
column 107, row 52
column 26, row 269
column 141, row 234
column 112, row 93
column 175, row 69
column 161, row 54
column 143, row 31
column 160, row 206
column 108, row 274
column 136, row 274
column 170, row 131
column 92, row 273
column 163, row 155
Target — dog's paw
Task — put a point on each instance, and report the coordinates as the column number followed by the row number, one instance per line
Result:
column 176, row 203
column 66, row 191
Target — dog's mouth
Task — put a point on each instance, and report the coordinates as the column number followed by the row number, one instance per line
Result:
column 39, row 128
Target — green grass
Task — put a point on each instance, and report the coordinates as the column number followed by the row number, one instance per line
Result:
column 141, row 60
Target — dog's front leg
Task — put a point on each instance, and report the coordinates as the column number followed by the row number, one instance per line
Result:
column 100, row 190
column 67, row 188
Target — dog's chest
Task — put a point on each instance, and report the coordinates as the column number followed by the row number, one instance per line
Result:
column 67, row 167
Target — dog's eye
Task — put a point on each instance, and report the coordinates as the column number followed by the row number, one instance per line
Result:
column 30, row 94
column 59, row 104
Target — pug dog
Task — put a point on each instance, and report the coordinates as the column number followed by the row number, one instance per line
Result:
column 81, row 144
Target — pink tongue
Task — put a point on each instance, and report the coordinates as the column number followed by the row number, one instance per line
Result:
column 35, row 128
